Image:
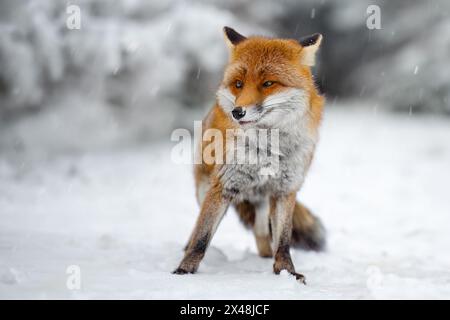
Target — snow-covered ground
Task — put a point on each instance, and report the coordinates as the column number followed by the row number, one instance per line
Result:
column 379, row 182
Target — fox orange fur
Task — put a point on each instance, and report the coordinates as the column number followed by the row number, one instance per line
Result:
column 267, row 85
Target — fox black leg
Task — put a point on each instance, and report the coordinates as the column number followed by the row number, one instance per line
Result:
column 212, row 211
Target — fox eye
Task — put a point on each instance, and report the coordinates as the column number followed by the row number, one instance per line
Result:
column 238, row 84
column 267, row 84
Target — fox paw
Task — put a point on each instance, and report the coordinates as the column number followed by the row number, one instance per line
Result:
column 181, row 271
column 282, row 265
column 300, row 278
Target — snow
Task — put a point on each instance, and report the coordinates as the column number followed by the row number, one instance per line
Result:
column 141, row 54
column 378, row 181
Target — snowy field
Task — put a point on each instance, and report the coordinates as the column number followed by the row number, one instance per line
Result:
column 379, row 182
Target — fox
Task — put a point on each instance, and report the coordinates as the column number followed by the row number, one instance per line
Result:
column 267, row 84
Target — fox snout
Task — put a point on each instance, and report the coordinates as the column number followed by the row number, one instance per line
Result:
column 238, row 113
column 246, row 114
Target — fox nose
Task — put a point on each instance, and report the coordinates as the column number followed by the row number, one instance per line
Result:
column 238, row 113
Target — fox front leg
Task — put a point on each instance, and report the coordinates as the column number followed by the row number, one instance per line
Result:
column 261, row 228
column 282, row 210
column 213, row 208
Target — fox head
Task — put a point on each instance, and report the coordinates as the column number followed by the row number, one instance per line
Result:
column 268, row 81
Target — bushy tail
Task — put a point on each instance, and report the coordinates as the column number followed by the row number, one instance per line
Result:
column 308, row 231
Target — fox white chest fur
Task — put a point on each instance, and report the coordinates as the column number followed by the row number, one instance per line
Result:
column 281, row 167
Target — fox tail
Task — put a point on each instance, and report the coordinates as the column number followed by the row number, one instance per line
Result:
column 308, row 231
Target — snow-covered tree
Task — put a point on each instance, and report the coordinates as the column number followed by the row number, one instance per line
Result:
column 136, row 69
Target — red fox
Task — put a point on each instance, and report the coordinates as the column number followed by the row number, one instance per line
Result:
column 267, row 85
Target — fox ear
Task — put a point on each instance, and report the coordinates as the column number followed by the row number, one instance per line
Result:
column 232, row 37
column 310, row 45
